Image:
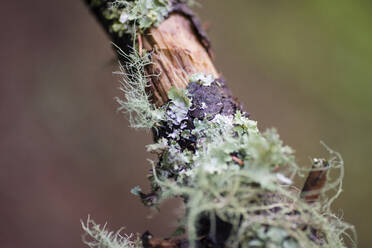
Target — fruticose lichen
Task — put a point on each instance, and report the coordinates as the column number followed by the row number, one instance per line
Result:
column 98, row 236
column 142, row 113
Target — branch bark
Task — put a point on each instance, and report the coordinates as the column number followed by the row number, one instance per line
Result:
column 180, row 48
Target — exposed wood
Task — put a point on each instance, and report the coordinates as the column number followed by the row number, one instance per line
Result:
column 179, row 46
column 177, row 54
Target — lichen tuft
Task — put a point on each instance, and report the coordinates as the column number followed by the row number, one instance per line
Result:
column 134, row 83
column 129, row 17
column 98, row 236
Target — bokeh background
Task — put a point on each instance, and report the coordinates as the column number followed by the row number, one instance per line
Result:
column 303, row 67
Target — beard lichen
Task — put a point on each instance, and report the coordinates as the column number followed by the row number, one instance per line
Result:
column 98, row 236
column 134, row 82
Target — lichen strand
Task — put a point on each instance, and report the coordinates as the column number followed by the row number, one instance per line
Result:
column 134, row 83
column 98, row 236
column 236, row 181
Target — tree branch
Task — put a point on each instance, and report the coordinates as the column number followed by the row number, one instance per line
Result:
column 234, row 180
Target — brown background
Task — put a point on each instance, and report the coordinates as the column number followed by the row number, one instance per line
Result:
column 303, row 68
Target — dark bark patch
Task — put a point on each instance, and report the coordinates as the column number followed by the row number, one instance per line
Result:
column 206, row 100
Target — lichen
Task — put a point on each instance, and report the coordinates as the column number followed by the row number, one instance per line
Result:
column 236, row 182
column 98, row 236
column 130, row 17
column 134, row 83
column 203, row 79
column 227, row 171
column 232, row 172
column 179, row 105
column 260, row 208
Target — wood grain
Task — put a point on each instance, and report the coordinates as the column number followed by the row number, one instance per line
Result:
column 176, row 54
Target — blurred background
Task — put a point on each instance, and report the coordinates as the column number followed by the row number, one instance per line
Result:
column 303, row 67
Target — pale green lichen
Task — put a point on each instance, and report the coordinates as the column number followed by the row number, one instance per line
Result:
column 216, row 185
column 158, row 147
column 129, row 17
column 179, row 105
column 232, row 197
column 97, row 236
column 254, row 150
column 202, row 79
column 134, row 83
column 256, row 196
column 235, row 172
